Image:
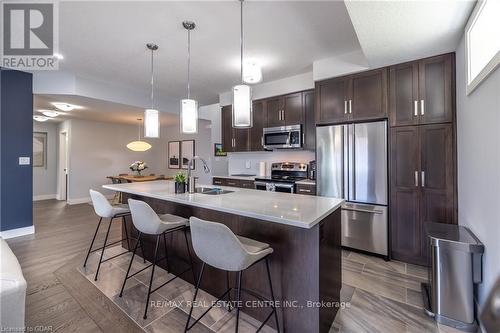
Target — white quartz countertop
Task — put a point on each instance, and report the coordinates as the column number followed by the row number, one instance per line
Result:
column 302, row 211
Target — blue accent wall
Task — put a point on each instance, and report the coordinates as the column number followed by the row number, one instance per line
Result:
column 16, row 140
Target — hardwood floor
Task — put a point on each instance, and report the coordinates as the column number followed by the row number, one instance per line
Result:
column 61, row 233
column 382, row 296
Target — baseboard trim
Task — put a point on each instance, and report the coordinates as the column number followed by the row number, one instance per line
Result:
column 44, row 197
column 6, row 234
column 78, row 201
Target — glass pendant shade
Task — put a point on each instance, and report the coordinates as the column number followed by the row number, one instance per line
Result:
column 151, row 123
column 242, row 106
column 252, row 73
column 138, row 146
column 189, row 116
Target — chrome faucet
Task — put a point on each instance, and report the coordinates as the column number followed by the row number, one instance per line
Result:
column 191, row 179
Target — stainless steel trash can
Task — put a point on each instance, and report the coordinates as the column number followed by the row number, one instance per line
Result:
column 455, row 266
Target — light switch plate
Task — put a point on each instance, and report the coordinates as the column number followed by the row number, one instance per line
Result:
column 24, row 161
column 248, row 164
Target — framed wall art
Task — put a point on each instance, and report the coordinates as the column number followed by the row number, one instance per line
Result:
column 174, row 154
column 40, row 149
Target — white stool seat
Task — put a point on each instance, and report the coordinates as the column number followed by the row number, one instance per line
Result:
column 251, row 245
column 169, row 221
column 120, row 209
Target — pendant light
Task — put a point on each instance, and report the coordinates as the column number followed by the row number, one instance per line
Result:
column 242, row 93
column 189, row 107
column 139, row 145
column 152, row 116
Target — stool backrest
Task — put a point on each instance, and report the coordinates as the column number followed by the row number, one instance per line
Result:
column 144, row 217
column 102, row 207
column 217, row 245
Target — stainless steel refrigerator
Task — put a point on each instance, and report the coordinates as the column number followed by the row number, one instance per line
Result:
column 352, row 164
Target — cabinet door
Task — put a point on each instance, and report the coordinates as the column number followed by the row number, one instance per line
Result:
column 274, row 109
column 227, row 129
column 259, row 120
column 403, row 94
column 406, row 231
column 241, row 139
column 310, row 121
column 293, row 111
column 368, row 95
column 331, row 102
column 436, row 89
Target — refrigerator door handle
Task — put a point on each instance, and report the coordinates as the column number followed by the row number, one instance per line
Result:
column 351, row 162
column 345, row 153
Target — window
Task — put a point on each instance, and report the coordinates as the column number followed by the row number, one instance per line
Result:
column 482, row 38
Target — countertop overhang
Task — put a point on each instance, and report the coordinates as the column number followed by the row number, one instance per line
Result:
column 297, row 210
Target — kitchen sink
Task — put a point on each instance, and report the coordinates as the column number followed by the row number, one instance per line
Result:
column 211, row 190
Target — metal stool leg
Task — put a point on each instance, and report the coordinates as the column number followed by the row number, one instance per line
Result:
column 272, row 296
column 92, row 243
column 130, row 264
column 103, row 249
column 189, row 254
column 228, row 286
column 126, row 232
column 152, row 274
column 142, row 250
column 238, row 299
column 166, row 251
column 187, row 328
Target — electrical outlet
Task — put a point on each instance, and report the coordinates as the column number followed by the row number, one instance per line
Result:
column 24, row 161
column 248, row 164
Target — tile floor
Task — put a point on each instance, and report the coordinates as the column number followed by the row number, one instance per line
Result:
column 380, row 296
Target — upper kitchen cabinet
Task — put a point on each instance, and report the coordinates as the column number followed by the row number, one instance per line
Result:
column 259, row 119
column 368, row 95
column 285, row 110
column 355, row 97
column 331, row 101
column 309, row 98
column 233, row 139
column 422, row 92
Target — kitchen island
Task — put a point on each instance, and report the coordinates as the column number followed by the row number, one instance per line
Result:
column 304, row 232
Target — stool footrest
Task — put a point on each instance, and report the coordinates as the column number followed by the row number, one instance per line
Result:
column 170, row 280
column 210, row 308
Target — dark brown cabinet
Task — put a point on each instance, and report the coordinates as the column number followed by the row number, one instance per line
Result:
column 285, row 110
column 242, row 183
column 233, row 139
column 422, row 186
column 307, row 189
column 355, row 97
column 422, row 92
column 309, row 128
column 259, row 120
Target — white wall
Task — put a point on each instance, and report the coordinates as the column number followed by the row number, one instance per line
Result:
column 203, row 148
column 213, row 113
column 98, row 149
column 45, row 178
column 478, row 134
column 238, row 161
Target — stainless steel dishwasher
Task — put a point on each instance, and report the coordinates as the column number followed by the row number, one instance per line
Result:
column 456, row 265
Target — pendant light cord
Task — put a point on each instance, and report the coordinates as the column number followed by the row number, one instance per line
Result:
column 189, row 65
column 241, row 40
column 152, row 81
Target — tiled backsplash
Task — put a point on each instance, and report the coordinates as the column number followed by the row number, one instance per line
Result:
column 248, row 163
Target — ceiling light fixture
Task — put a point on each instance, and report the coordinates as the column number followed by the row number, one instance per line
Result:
column 138, row 145
column 152, row 116
column 189, row 107
column 50, row 113
column 64, row 106
column 40, row 118
column 242, row 93
column 252, row 72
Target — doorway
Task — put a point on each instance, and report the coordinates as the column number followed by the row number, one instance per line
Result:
column 62, row 190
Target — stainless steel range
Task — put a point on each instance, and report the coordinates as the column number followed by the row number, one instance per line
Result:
column 283, row 177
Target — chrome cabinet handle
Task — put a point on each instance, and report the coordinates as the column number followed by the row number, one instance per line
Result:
column 422, row 178
column 422, row 112
column 262, row 141
column 416, row 178
column 283, row 115
column 279, row 115
column 415, row 105
column 231, row 184
column 345, row 107
column 303, row 138
column 304, row 190
column 350, row 106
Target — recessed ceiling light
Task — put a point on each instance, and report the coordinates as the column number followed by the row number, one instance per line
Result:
column 58, row 56
column 50, row 113
column 40, row 118
column 64, row 106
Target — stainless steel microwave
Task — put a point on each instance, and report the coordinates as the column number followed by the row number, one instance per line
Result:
column 283, row 137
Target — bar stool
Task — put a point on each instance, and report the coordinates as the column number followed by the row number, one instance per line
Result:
column 148, row 222
column 104, row 210
column 216, row 245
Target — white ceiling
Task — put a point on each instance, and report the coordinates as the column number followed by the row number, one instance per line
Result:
column 96, row 110
column 106, row 40
column 392, row 32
